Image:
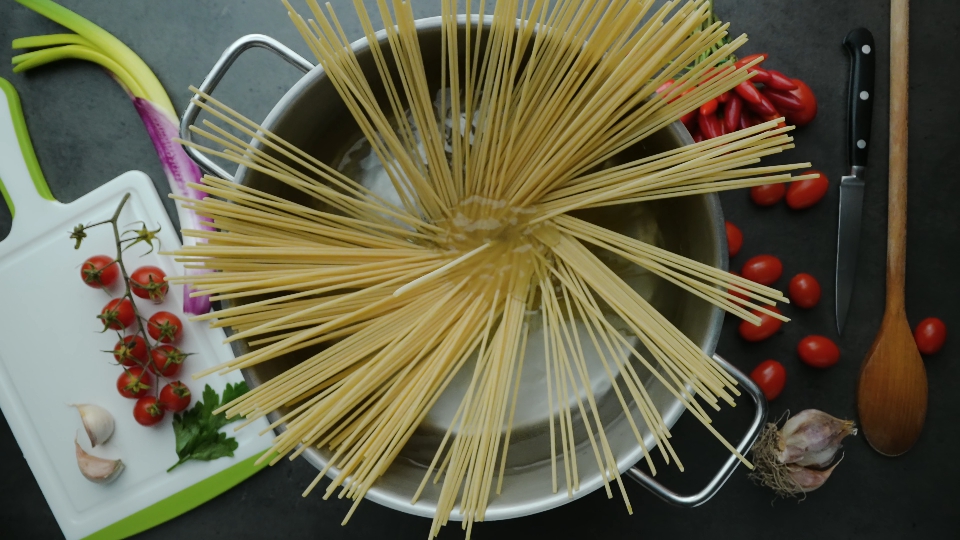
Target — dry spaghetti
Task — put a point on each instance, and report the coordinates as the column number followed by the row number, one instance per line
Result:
column 481, row 243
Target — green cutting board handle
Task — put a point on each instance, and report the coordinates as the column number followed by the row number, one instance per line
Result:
column 26, row 148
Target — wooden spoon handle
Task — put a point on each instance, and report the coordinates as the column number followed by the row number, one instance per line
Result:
column 897, row 197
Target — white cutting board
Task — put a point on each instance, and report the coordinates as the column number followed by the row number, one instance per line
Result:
column 50, row 355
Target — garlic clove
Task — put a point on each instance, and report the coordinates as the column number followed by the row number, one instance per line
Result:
column 97, row 421
column 809, row 479
column 812, row 437
column 97, row 470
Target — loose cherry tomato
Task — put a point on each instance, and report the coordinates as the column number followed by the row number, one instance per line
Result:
column 147, row 412
column 734, row 239
column 764, row 269
column 167, row 360
column 809, row 111
column 818, row 351
column 147, row 282
column 767, row 195
column 930, row 335
column 131, row 351
column 165, row 327
column 134, row 382
column 736, row 293
column 804, row 291
column 758, row 332
column 175, row 397
column 117, row 314
column 99, row 271
column 806, row 193
column 771, row 377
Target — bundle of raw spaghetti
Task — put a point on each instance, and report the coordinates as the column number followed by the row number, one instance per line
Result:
column 480, row 243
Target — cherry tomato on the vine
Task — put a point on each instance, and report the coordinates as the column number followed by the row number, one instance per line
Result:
column 117, row 314
column 134, row 382
column 804, row 291
column 818, row 351
column 99, row 271
column 771, row 377
column 930, row 335
column 806, row 193
column 763, row 269
column 147, row 411
column 167, row 360
column 165, row 327
column 758, row 332
column 734, row 239
column 147, row 282
column 175, row 397
column 767, row 195
column 131, row 351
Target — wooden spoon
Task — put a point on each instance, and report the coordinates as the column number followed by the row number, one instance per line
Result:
column 892, row 394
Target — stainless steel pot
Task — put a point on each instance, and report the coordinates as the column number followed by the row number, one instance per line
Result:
column 311, row 115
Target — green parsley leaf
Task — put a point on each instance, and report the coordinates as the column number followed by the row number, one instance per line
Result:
column 197, row 430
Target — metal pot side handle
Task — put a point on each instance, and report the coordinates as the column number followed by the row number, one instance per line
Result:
column 759, row 418
column 210, row 82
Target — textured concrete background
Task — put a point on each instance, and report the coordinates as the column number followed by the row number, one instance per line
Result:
column 85, row 133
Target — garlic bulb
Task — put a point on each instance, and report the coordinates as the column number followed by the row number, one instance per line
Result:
column 800, row 457
column 98, row 470
column 97, row 421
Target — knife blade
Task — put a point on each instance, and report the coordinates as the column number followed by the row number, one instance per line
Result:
column 860, row 45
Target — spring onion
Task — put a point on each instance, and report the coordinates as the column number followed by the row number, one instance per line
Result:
column 94, row 44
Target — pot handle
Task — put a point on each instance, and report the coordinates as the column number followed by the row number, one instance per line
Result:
column 213, row 78
column 759, row 416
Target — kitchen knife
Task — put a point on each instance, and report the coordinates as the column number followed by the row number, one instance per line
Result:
column 859, row 43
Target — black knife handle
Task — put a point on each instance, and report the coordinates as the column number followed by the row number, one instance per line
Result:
column 859, row 43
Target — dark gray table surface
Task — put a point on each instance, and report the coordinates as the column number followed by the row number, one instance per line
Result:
column 86, row 132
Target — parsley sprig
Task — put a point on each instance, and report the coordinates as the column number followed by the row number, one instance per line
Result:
column 198, row 429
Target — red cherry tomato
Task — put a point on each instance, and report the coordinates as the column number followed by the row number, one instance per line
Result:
column 734, row 239
column 131, row 351
column 735, row 293
column 758, row 332
column 804, row 291
column 809, row 112
column 763, row 269
column 767, row 195
column 99, row 271
column 147, row 282
column 771, row 377
column 175, row 397
column 165, row 327
column 818, row 351
column 134, row 382
column 117, row 314
column 806, row 193
column 930, row 335
column 147, row 412
column 167, row 360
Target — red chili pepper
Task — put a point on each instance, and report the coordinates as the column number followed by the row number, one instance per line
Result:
column 747, row 120
column 783, row 100
column 748, row 92
column 760, row 75
column 747, row 59
column 724, row 97
column 697, row 136
column 723, row 126
column 709, row 125
column 690, row 119
column 763, row 107
column 732, row 112
column 709, row 107
column 779, row 81
column 665, row 86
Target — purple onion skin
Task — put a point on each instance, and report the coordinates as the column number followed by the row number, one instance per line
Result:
column 180, row 171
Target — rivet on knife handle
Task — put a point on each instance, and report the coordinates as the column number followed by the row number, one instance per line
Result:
column 859, row 43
